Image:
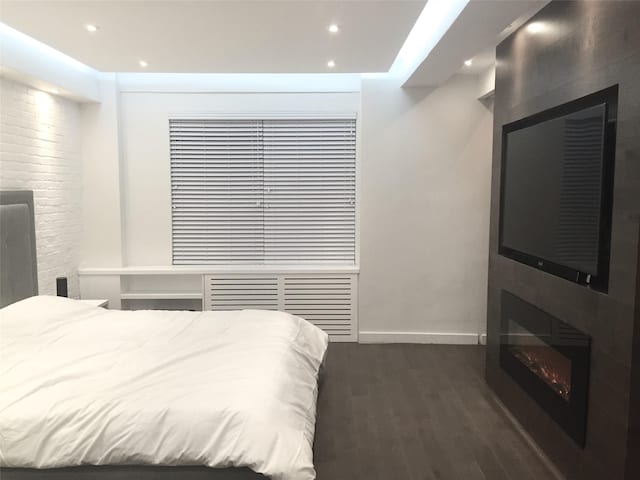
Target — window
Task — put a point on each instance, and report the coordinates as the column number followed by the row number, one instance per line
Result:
column 263, row 191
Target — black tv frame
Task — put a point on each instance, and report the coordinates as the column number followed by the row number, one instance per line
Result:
column 600, row 282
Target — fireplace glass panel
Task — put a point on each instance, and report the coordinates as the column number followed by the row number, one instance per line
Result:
column 549, row 359
column 547, row 363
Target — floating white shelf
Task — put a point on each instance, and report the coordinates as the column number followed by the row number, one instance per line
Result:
column 161, row 296
column 218, row 269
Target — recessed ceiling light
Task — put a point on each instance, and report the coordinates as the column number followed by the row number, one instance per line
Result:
column 469, row 62
column 143, row 63
column 536, row 27
column 331, row 64
column 91, row 28
column 333, row 28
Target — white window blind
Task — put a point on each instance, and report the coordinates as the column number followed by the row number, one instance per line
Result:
column 217, row 191
column 263, row 191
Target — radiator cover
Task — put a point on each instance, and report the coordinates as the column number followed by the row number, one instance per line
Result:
column 326, row 300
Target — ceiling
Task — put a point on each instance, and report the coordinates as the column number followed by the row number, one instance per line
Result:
column 211, row 36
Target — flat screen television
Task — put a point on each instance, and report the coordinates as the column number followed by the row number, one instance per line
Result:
column 556, row 190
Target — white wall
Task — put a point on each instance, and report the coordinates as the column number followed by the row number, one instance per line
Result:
column 426, row 164
column 39, row 151
column 486, row 83
column 101, row 200
column 424, row 172
column 146, row 181
column 425, row 160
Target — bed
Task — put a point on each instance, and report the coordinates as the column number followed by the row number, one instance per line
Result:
column 92, row 393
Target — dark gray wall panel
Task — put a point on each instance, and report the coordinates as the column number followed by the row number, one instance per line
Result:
column 584, row 47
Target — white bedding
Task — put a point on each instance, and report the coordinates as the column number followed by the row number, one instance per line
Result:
column 84, row 385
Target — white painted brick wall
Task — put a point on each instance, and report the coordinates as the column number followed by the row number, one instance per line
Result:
column 39, row 151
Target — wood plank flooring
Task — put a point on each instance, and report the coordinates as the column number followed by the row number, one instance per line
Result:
column 415, row 412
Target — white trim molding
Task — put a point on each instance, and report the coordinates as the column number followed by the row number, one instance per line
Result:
column 239, row 83
column 420, row 337
column 265, row 115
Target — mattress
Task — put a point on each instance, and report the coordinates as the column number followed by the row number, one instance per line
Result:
column 81, row 385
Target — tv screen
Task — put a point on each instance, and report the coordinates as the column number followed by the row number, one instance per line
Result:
column 552, row 190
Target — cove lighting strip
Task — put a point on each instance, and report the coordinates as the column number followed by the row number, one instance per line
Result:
column 436, row 18
column 6, row 32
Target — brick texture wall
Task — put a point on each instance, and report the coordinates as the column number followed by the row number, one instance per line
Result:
column 39, row 151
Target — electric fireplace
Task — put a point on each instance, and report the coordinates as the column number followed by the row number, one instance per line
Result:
column 549, row 359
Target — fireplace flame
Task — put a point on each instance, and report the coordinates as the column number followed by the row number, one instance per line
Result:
column 544, row 362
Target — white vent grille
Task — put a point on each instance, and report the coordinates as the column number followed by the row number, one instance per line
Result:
column 328, row 301
column 241, row 292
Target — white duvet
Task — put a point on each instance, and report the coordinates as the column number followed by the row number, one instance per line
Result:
column 84, row 385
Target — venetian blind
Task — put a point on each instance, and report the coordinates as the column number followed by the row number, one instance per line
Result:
column 263, row 191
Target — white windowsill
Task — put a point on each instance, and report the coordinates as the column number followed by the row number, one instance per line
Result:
column 214, row 269
column 161, row 296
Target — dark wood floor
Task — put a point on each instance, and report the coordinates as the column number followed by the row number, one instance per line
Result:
column 420, row 412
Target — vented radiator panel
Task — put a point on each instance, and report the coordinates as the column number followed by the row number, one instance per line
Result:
column 326, row 300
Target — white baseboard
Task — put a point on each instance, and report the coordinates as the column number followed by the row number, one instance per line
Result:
column 420, row 337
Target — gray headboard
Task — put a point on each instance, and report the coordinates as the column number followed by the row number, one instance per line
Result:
column 18, row 262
